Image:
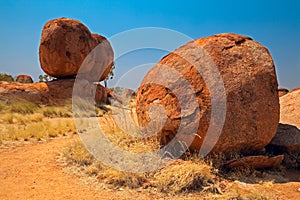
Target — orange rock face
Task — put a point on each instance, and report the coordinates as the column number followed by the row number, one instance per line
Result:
column 22, row 78
column 250, row 83
column 290, row 108
column 64, row 45
column 55, row 92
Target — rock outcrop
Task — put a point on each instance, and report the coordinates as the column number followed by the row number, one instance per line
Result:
column 23, row 78
column 290, row 108
column 64, row 45
column 56, row 92
column 287, row 137
column 247, row 70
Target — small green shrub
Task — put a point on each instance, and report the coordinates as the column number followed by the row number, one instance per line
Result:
column 6, row 77
column 46, row 78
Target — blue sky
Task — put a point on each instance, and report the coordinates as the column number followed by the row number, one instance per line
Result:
column 275, row 24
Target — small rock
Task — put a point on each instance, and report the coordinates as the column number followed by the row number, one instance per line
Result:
column 255, row 162
column 22, row 78
column 282, row 91
column 287, row 138
column 146, row 185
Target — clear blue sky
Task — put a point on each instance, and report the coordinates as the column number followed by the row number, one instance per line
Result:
column 275, row 24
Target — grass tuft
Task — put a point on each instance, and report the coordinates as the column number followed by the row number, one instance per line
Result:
column 23, row 107
column 185, row 176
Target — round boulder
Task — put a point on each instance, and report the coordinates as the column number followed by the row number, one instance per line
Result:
column 252, row 104
column 64, row 45
column 22, row 78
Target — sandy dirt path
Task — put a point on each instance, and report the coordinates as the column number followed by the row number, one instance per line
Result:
column 30, row 171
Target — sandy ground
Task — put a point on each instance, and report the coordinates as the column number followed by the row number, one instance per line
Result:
column 30, row 171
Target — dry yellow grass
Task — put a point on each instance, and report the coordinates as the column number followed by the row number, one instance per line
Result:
column 175, row 178
column 24, row 121
column 191, row 175
column 27, row 128
column 183, row 177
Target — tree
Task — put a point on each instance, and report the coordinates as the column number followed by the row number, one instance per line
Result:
column 110, row 75
column 46, row 78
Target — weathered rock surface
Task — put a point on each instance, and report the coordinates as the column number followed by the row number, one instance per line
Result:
column 290, row 108
column 64, row 45
column 250, row 83
column 55, row 92
column 255, row 162
column 287, row 138
column 23, row 78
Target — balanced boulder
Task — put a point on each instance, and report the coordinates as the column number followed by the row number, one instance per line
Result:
column 64, row 45
column 248, row 74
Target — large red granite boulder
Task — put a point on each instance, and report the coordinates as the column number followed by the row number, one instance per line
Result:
column 252, row 103
column 64, row 45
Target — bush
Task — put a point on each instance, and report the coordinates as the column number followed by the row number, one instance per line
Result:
column 6, row 77
column 46, row 78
